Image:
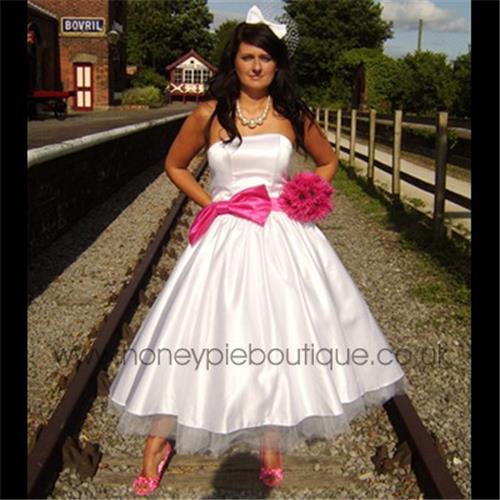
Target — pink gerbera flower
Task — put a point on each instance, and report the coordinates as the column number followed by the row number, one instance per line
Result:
column 306, row 197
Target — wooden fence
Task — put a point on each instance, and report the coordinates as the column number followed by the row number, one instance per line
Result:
column 438, row 188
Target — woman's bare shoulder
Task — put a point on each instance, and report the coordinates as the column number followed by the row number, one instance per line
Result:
column 205, row 109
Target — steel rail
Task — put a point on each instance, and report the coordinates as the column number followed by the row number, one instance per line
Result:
column 433, row 477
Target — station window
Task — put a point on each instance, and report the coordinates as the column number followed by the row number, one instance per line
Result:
column 188, row 75
column 206, row 75
column 178, row 75
column 197, row 76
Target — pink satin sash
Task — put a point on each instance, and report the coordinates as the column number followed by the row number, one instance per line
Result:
column 253, row 203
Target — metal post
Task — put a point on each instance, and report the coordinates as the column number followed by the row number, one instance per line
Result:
column 326, row 121
column 396, row 154
column 420, row 27
column 352, row 152
column 440, row 179
column 338, row 132
column 317, row 115
column 371, row 146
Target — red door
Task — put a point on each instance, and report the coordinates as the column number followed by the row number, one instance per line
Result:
column 84, row 98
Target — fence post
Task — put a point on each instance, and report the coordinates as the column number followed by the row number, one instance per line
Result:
column 326, row 121
column 396, row 154
column 338, row 132
column 352, row 152
column 440, row 178
column 371, row 146
column 317, row 115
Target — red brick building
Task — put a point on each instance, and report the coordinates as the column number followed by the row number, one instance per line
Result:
column 90, row 53
column 43, row 50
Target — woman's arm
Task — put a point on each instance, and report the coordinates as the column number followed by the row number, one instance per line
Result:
column 187, row 144
column 321, row 151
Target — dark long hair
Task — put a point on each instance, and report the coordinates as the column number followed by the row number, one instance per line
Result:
column 225, row 85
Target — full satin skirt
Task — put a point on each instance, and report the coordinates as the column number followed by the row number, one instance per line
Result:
column 258, row 328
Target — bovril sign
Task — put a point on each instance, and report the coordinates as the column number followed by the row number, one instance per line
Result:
column 83, row 26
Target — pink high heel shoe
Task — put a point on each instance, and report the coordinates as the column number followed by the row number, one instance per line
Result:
column 271, row 477
column 144, row 485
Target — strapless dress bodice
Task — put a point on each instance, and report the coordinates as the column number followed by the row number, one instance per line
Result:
column 259, row 159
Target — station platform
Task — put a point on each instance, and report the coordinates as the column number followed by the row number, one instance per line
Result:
column 47, row 130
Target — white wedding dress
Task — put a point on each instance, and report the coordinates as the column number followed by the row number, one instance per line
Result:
column 319, row 357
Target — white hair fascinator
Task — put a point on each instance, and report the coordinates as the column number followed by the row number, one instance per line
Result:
column 254, row 16
column 281, row 24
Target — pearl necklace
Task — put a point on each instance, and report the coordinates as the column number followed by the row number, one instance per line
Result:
column 253, row 122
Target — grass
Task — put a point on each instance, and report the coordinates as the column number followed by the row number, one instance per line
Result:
column 444, row 274
column 416, row 202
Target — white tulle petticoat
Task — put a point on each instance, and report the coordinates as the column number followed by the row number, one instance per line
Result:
column 191, row 440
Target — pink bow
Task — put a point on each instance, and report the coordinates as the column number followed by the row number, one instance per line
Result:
column 252, row 203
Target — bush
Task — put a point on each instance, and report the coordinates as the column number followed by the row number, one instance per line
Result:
column 150, row 96
column 148, row 77
column 324, row 98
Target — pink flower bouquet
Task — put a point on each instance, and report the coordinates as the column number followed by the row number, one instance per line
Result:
column 306, row 197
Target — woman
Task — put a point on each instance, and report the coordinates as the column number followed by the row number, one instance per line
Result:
column 272, row 285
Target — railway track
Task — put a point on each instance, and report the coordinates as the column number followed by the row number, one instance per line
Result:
column 61, row 444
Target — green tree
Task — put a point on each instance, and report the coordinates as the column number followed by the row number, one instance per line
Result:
column 432, row 86
column 222, row 36
column 160, row 31
column 462, row 75
column 329, row 27
column 403, row 89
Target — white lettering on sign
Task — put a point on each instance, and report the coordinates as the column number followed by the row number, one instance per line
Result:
column 83, row 25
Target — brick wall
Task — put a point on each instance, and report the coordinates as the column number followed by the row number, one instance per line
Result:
column 71, row 48
column 75, row 47
column 90, row 8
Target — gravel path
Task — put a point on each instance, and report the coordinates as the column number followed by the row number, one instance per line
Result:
column 65, row 312
column 74, row 283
